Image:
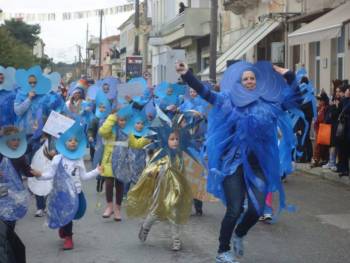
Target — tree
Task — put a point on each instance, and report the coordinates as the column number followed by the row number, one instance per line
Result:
column 13, row 52
column 27, row 34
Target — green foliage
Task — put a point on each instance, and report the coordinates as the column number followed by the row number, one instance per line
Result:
column 28, row 34
column 17, row 40
column 13, row 52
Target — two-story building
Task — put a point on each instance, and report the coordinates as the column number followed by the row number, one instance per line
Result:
column 321, row 41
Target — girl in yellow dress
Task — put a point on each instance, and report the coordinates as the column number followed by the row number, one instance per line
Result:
column 163, row 192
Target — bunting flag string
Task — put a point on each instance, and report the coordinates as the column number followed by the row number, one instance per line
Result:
column 43, row 17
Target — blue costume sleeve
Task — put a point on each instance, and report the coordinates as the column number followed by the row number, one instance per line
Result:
column 22, row 107
column 202, row 90
column 289, row 77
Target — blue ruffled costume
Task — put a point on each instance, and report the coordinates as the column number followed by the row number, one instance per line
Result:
column 243, row 124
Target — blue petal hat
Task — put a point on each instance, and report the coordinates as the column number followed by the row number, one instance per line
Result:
column 42, row 86
column 92, row 90
column 101, row 98
column 77, row 132
column 9, row 78
column 130, row 126
column 7, row 151
column 112, row 82
column 161, row 89
column 55, row 79
column 268, row 88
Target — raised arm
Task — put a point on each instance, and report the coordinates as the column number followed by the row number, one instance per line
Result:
column 194, row 83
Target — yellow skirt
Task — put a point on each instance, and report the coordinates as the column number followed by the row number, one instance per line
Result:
column 163, row 191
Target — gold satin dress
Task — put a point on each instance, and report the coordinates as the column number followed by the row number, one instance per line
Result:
column 162, row 191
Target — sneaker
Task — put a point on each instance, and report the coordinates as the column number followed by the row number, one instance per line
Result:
column 39, row 213
column 108, row 212
column 327, row 166
column 143, row 234
column 238, row 246
column 68, row 243
column 225, row 257
column 176, row 245
column 265, row 217
column 334, row 168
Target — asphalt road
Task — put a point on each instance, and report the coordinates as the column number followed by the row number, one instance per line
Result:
column 318, row 232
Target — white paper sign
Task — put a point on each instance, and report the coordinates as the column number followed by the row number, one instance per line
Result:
column 132, row 89
column 57, row 124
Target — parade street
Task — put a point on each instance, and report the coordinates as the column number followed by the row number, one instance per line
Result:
column 317, row 232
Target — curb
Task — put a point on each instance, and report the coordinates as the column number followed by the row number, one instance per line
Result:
column 322, row 173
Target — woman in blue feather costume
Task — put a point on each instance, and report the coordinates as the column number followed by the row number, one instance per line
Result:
column 242, row 143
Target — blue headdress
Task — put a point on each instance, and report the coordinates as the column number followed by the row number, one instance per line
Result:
column 43, row 84
column 161, row 135
column 77, row 132
column 130, row 126
column 161, row 92
column 6, row 151
column 55, row 79
column 307, row 90
column 267, row 88
column 9, row 78
column 112, row 83
column 101, row 99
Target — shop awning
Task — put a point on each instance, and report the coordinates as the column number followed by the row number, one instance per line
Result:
column 252, row 37
column 327, row 26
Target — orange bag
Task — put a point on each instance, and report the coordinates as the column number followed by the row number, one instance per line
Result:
column 324, row 134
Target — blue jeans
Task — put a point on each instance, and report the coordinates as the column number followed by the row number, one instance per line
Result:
column 40, row 202
column 235, row 193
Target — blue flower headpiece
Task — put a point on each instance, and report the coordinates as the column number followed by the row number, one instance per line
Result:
column 267, row 88
column 42, row 86
column 55, row 79
column 6, row 151
column 101, row 99
column 161, row 135
column 9, row 78
column 77, row 132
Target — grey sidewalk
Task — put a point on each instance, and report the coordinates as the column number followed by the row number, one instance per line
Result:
column 322, row 173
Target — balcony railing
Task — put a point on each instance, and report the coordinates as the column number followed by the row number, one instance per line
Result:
column 190, row 21
column 239, row 6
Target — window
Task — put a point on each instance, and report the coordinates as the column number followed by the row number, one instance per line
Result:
column 340, row 54
column 317, row 66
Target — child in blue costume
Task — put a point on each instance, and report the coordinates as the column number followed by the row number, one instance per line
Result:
column 14, row 198
column 243, row 155
column 7, row 96
column 66, row 200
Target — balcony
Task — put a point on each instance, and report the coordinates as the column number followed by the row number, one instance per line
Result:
column 193, row 22
column 239, row 6
column 93, row 43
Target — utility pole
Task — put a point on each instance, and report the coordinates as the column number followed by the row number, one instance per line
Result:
column 87, row 50
column 213, row 40
column 137, row 27
column 100, row 48
column 145, row 36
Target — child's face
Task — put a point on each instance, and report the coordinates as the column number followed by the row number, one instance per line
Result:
column 174, row 141
column 193, row 93
column 72, row 144
column 13, row 143
column 121, row 122
column 139, row 126
column 169, row 91
column 102, row 108
column 77, row 95
column 105, row 88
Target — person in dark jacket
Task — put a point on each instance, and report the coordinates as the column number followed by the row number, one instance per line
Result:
column 320, row 155
column 343, row 141
column 12, row 250
column 332, row 116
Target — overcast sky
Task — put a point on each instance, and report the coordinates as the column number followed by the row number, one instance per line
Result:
column 61, row 37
